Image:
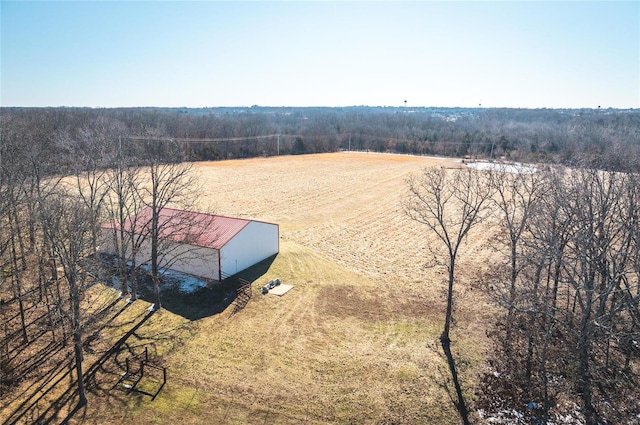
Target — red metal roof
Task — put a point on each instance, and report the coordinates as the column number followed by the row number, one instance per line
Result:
column 190, row 227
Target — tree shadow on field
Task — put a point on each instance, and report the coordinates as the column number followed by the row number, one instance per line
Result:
column 206, row 301
column 31, row 410
column 70, row 396
column 455, row 394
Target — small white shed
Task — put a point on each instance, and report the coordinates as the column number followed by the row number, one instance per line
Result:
column 204, row 245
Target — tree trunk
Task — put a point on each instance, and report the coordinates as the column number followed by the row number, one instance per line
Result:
column 77, row 348
column 447, row 321
column 156, row 291
column 77, row 340
column 531, row 343
column 131, row 278
column 17, row 280
column 590, row 414
column 584, row 374
column 510, row 308
column 121, row 245
column 155, row 272
column 50, row 313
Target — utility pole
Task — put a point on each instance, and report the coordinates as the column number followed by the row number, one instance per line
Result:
column 349, row 142
column 278, row 145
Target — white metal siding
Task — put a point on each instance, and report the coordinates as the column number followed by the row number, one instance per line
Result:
column 107, row 242
column 194, row 260
column 254, row 243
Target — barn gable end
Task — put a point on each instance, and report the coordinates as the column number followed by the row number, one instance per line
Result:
column 254, row 243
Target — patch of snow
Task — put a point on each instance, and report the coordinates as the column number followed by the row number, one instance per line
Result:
column 505, row 416
column 184, row 282
column 515, row 167
column 572, row 416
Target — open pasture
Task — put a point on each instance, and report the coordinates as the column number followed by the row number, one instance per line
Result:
column 355, row 340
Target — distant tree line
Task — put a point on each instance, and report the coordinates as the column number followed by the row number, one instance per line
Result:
column 567, row 137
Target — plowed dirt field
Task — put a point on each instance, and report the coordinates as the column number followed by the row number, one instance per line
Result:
column 345, row 205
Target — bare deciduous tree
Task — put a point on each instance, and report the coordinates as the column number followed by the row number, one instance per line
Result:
column 449, row 203
column 70, row 228
column 517, row 196
column 169, row 182
column 122, row 203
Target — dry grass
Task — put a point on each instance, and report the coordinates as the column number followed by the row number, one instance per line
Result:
column 355, row 341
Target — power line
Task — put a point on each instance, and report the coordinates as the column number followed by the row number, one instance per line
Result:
column 204, row 140
column 367, row 137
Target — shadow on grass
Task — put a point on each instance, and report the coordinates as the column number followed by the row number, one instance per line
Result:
column 207, row 301
column 213, row 299
column 29, row 410
column 456, row 397
column 258, row 270
column 70, row 395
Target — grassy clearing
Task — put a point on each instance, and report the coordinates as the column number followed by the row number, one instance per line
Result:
column 355, row 340
column 335, row 349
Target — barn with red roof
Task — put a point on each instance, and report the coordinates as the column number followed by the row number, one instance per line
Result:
column 200, row 244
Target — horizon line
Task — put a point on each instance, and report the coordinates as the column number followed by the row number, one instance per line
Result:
column 407, row 108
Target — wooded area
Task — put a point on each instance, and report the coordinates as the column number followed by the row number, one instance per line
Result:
column 55, row 212
column 599, row 137
column 566, row 272
column 568, row 276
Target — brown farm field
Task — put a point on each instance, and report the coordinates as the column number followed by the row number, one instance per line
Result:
column 354, row 342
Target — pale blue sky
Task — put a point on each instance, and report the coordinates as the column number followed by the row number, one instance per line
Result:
column 306, row 53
